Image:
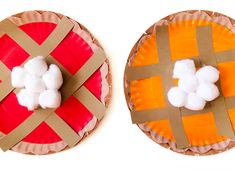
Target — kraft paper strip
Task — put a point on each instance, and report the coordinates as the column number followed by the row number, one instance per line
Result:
column 205, row 45
column 207, row 56
column 83, row 95
column 20, row 132
column 225, row 56
column 149, row 115
column 27, row 126
column 230, row 102
column 4, row 71
column 164, row 54
column 95, row 61
column 188, row 112
column 136, row 73
column 31, row 46
column 63, row 130
column 5, row 87
column 90, row 102
column 163, row 114
column 58, row 34
column 19, row 36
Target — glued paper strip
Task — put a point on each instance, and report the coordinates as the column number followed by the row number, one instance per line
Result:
column 90, row 102
column 63, row 130
column 164, row 56
column 135, row 73
column 20, row 132
column 95, row 61
column 207, row 56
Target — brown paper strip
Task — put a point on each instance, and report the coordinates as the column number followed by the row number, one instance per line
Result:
column 205, row 45
column 207, row 56
column 83, row 95
column 225, row 56
column 55, row 38
column 5, row 87
column 4, row 71
column 149, row 115
column 95, row 61
column 90, row 102
column 162, row 113
column 164, row 55
column 135, row 73
column 29, row 45
column 19, row 36
column 230, row 102
column 20, row 132
column 188, row 112
column 63, row 130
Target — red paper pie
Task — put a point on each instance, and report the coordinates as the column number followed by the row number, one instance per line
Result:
column 72, row 53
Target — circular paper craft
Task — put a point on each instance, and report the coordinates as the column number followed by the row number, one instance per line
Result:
column 206, row 37
column 85, row 91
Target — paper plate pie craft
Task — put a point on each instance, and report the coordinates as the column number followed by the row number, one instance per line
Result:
column 54, row 81
column 180, row 85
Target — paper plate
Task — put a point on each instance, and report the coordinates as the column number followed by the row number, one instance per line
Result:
column 72, row 53
column 146, row 94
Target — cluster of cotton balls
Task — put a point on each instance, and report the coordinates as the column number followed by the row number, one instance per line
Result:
column 194, row 88
column 39, row 84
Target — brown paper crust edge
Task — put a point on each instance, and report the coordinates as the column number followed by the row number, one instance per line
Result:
column 144, row 36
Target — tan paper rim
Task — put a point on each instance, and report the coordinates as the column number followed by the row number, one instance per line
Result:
column 182, row 16
column 47, row 16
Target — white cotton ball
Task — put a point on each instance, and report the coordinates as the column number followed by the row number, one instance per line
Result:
column 183, row 67
column 53, row 77
column 188, row 83
column 50, row 99
column 177, row 97
column 34, row 83
column 28, row 99
column 194, row 102
column 208, row 74
column 208, row 91
column 18, row 75
column 36, row 66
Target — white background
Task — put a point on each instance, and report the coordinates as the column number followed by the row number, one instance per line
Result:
column 117, row 147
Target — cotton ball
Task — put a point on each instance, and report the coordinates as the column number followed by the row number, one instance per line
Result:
column 208, row 74
column 50, row 99
column 183, row 67
column 208, row 91
column 188, row 83
column 34, row 83
column 194, row 102
column 36, row 66
column 177, row 97
column 18, row 75
column 28, row 99
column 53, row 78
